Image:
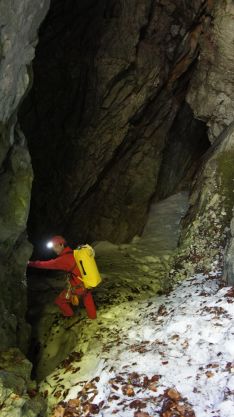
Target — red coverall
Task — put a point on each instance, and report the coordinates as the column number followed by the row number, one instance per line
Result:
column 66, row 262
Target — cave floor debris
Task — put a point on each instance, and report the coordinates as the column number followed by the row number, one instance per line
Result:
column 167, row 356
column 130, row 271
column 145, row 355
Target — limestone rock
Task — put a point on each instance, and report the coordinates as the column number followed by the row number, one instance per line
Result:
column 19, row 22
column 18, row 395
column 229, row 258
column 211, row 93
column 207, row 223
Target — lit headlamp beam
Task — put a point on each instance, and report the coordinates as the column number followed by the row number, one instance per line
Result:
column 49, row 245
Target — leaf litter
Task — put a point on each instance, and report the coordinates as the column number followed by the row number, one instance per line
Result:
column 179, row 366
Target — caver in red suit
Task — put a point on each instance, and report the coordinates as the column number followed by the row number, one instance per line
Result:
column 65, row 261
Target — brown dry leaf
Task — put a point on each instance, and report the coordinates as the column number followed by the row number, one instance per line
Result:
column 175, row 337
column 74, row 403
column 230, row 293
column 152, row 386
column 168, row 404
column 185, row 344
column 94, row 408
column 145, row 381
column 173, row 394
column 155, row 378
column 141, row 414
column 181, row 409
column 113, row 397
column 209, row 374
column 128, row 390
column 168, row 414
column 134, row 379
column 213, row 365
column 58, row 412
column 162, row 311
column 137, row 404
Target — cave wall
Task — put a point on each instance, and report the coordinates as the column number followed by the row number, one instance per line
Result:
column 19, row 22
column 211, row 92
column 209, row 224
column 107, row 88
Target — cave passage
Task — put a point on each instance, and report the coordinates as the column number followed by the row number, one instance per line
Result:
column 113, row 142
column 106, row 119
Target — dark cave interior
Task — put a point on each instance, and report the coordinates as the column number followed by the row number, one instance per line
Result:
column 98, row 158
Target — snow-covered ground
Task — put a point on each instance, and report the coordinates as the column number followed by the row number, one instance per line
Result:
column 145, row 355
column 166, row 356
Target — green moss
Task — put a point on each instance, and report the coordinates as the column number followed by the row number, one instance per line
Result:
column 225, row 170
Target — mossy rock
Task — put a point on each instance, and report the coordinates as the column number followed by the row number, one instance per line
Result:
column 225, row 170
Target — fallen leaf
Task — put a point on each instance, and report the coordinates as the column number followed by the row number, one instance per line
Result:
column 173, row 394
column 137, row 404
column 155, row 378
column 230, row 292
column 58, row 411
column 141, row 414
column 152, row 386
column 128, row 390
column 145, row 381
column 113, row 397
column 209, row 374
column 175, row 337
column 94, row 408
column 74, row 403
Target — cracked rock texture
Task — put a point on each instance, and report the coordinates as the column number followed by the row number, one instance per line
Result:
column 229, row 258
column 207, row 223
column 211, row 93
column 108, row 87
column 211, row 97
column 19, row 21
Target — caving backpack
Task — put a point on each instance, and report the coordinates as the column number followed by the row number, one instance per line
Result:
column 85, row 258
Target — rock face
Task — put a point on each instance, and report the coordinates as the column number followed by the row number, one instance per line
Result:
column 211, row 93
column 207, row 222
column 229, row 259
column 18, row 395
column 19, row 23
column 108, row 87
column 211, row 97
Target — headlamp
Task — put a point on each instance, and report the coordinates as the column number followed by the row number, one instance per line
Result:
column 49, row 245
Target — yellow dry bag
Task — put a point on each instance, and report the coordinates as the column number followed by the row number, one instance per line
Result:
column 84, row 256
